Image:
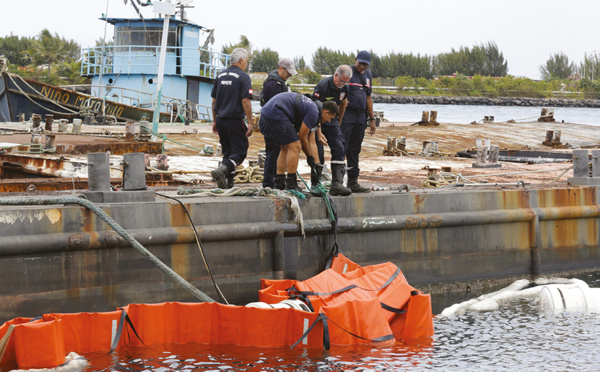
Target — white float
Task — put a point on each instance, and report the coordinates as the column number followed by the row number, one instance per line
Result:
column 555, row 294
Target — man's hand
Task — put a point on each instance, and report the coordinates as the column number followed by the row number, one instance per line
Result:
column 214, row 128
column 311, row 161
column 373, row 127
column 322, row 139
column 250, row 129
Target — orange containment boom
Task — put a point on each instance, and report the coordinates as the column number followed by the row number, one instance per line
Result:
column 350, row 305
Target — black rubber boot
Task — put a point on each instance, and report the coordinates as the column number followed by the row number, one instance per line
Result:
column 355, row 187
column 291, row 183
column 279, row 182
column 315, row 179
column 337, row 177
column 230, row 178
column 220, row 175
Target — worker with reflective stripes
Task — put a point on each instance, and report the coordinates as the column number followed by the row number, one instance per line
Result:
column 333, row 89
column 357, row 116
column 231, row 97
column 274, row 84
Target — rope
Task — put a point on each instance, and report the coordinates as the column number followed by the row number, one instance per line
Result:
column 255, row 191
column 117, row 228
column 198, row 243
column 36, row 103
column 165, row 138
column 249, row 174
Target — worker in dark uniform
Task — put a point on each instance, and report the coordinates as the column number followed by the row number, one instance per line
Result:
column 357, row 116
column 292, row 119
column 275, row 83
column 231, row 97
column 333, row 89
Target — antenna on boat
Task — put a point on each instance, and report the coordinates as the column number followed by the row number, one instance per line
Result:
column 183, row 5
column 140, row 4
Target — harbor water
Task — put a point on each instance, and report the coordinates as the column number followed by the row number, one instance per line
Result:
column 466, row 114
column 518, row 336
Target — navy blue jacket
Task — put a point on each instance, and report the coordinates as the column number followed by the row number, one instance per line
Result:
column 283, row 107
column 327, row 91
column 232, row 85
column 359, row 89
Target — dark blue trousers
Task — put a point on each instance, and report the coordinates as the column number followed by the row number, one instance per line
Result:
column 234, row 143
column 353, row 128
column 335, row 140
column 272, row 150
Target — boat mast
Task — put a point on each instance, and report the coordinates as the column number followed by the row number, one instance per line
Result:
column 167, row 9
column 102, row 62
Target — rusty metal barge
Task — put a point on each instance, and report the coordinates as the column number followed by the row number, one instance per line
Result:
column 57, row 255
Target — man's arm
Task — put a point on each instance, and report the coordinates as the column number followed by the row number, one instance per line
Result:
column 303, row 134
column 214, row 126
column 370, row 113
column 321, row 137
column 248, row 110
column 342, row 109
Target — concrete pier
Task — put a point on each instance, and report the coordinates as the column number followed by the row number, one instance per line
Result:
column 65, row 259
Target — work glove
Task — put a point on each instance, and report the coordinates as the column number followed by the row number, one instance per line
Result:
column 311, row 161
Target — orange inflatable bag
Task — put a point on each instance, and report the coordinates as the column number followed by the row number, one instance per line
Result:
column 358, row 322
column 39, row 344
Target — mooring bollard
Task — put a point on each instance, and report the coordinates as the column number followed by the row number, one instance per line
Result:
column 134, row 171
column 50, row 141
column 36, row 119
column 76, row 126
column 49, row 121
column 98, row 171
column 130, row 130
column 63, row 125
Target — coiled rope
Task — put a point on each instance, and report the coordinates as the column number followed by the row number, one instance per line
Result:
column 118, row 229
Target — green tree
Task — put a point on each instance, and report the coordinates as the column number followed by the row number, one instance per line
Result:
column 496, row 65
column 264, row 61
column 589, row 68
column 243, row 43
column 70, row 73
column 49, row 49
column 15, row 49
column 483, row 59
column 300, row 63
column 325, row 61
column 557, row 66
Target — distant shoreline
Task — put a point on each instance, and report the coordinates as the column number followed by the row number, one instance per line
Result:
column 478, row 101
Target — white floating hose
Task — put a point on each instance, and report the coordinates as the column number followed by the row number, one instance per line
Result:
column 547, row 293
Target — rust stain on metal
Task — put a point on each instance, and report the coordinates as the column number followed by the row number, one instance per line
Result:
column 412, row 222
column 78, row 241
column 419, row 201
column 180, row 259
column 514, row 199
column 567, row 197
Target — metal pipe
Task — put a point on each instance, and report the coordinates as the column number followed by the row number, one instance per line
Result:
column 45, row 243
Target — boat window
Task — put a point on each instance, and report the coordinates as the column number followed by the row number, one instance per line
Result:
column 143, row 38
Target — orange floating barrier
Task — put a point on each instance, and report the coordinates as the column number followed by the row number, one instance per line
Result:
column 39, row 344
column 350, row 305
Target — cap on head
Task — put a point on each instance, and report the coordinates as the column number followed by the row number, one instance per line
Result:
column 363, row 57
column 288, row 65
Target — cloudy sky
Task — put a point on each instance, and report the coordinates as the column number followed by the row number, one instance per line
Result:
column 526, row 31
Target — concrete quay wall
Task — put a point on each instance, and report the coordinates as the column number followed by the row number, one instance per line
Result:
column 65, row 259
